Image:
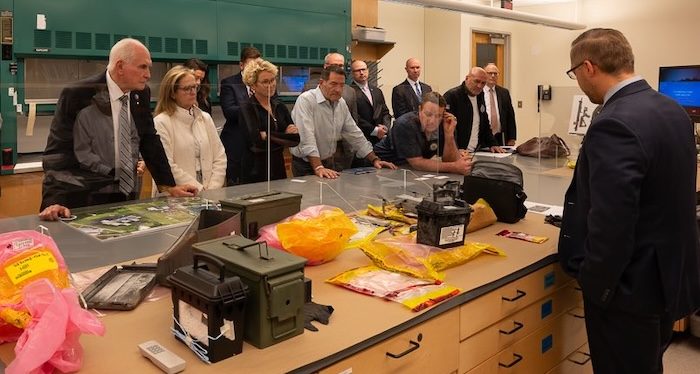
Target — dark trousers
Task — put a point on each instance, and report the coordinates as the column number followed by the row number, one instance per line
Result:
column 500, row 138
column 623, row 342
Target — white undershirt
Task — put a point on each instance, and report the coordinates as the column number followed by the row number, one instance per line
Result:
column 474, row 137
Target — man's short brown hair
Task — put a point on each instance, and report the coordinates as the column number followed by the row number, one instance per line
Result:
column 326, row 72
column 249, row 53
column 606, row 48
column 435, row 98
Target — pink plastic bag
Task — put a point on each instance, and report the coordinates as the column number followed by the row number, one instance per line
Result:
column 268, row 233
column 318, row 233
column 51, row 340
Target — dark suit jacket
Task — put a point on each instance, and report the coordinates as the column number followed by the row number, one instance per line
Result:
column 233, row 94
column 404, row 98
column 458, row 102
column 506, row 115
column 371, row 114
column 64, row 182
column 629, row 232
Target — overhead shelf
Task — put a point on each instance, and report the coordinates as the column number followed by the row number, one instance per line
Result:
column 370, row 50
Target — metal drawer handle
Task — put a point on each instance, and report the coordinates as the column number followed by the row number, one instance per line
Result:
column 414, row 345
column 517, row 327
column 518, row 358
column 577, row 315
column 585, row 361
column 520, row 294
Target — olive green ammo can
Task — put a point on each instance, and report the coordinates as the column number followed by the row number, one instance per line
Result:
column 260, row 209
column 275, row 279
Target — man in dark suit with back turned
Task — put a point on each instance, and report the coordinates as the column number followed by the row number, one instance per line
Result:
column 629, row 232
column 503, row 125
column 406, row 96
column 65, row 184
column 234, row 93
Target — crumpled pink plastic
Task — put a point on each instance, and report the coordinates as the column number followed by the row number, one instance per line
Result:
column 51, row 341
column 268, row 233
column 318, row 233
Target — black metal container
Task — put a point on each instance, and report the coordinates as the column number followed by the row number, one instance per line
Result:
column 209, row 309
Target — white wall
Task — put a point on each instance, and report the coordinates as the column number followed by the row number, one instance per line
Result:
column 661, row 33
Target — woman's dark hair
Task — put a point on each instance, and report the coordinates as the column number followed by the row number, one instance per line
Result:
column 205, row 86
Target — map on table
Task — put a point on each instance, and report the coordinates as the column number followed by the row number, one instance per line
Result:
column 140, row 217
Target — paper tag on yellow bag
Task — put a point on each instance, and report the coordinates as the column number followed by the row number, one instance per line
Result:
column 30, row 266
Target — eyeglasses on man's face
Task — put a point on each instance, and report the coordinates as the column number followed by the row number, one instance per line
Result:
column 191, row 88
column 571, row 73
column 492, row 73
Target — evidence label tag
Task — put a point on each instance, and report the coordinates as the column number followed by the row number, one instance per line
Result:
column 30, row 266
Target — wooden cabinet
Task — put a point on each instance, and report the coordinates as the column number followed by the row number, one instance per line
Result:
column 365, row 13
column 509, row 330
column 510, row 298
column 578, row 362
column 540, row 351
column 526, row 326
column 431, row 347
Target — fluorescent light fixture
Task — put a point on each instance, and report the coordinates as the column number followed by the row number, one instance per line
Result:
column 488, row 11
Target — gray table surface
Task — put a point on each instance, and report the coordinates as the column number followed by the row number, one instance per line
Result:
column 349, row 192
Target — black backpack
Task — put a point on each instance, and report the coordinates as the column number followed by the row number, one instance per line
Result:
column 501, row 185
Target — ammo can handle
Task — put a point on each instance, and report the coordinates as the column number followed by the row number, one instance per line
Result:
column 211, row 260
column 259, row 244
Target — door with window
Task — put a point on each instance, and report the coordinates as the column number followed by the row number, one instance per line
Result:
column 490, row 47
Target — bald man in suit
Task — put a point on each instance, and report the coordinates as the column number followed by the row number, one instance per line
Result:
column 406, row 96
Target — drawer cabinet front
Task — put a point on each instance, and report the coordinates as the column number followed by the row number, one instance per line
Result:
column 495, row 305
column 486, row 343
column 540, row 351
column 431, row 347
column 578, row 362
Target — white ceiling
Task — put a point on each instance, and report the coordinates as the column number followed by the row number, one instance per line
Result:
column 519, row 2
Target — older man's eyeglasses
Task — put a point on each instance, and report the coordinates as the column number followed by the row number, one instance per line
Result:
column 192, row 88
column 571, row 73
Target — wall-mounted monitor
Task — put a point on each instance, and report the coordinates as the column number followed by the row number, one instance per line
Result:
column 682, row 84
column 292, row 79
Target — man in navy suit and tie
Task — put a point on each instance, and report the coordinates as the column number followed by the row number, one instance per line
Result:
column 234, row 93
column 406, row 96
column 373, row 118
column 629, row 231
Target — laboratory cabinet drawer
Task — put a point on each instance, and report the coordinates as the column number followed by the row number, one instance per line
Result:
column 508, row 299
column 540, row 351
column 486, row 343
column 578, row 362
column 431, row 347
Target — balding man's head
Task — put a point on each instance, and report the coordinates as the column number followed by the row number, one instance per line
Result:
column 334, row 59
column 413, row 69
column 476, row 80
column 493, row 72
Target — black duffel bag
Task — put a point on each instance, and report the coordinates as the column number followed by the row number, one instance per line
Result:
column 501, row 185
